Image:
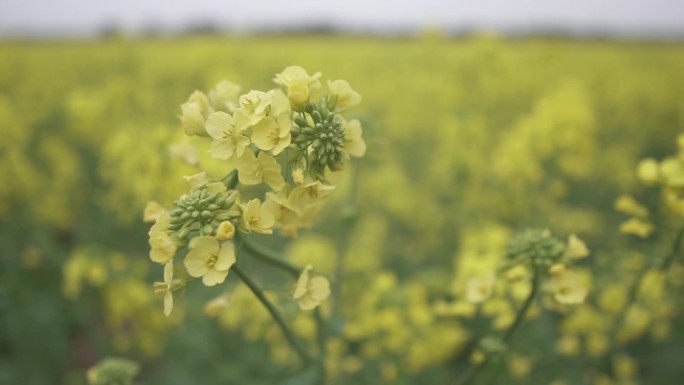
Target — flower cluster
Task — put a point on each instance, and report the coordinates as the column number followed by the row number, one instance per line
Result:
column 283, row 139
column 548, row 257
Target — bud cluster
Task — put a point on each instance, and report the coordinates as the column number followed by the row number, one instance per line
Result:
column 318, row 137
column 201, row 212
column 536, row 246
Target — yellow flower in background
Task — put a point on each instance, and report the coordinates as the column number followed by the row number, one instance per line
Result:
column 209, row 259
column 480, row 289
column 567, row 288
column 576, row 248
column 213, row 307
column 672, row 172
column 162, row 247
column 346, row 96
column 257, row 217
column 626, row 204
column 224, row 95
column 228, row 133
column 194, row 113
column 638, row 227
column 254, row 170
column 648, row 171
column 311, row 292
column 166, row 287
column 184, row 151
column 354, row 144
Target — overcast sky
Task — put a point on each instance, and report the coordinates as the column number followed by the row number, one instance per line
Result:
column 636, row 17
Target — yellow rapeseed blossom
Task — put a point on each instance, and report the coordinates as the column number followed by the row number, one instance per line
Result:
column 346, row 96
column 626, row 204
column 228, row 133
column 254, row 106
column 209, row 259
column 258, row 217
column 672, row 172
column 184, row 151
column 224, row 95
column 480, row 289
column 298, row 83
column 152, row 211
column 648, row 171
column 354, row 144
column 166, row 288
column 194, row 113
column 576, row 248
column 311, row 292
column 638, row 227
column 567, row 288
column 225, row 231
column 272, row 134
column 162, row 247
column 253, row 170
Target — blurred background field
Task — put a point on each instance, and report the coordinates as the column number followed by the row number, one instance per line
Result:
column 469, row 140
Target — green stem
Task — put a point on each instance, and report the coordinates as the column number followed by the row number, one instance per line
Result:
column 667, row 262
column 267, row 255
column 472, row 372
column 342, row 242
column 303, row 354
column 321, row 339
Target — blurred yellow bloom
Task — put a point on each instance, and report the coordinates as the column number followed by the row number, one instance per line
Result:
column 647, row 171
column 567, row 288
column 480, row 289
column 557, row 270
column 184, row 151
column 354, row 144
column 210, row 260
column 568, row 345
column 224, row 95
column 213, row 307
column 672, row 172
column 346, row 96
column 576, row 248
column 225, row 231
column 162, row 247
column 638, row 227
column 152, row 211
column 228, row 133
column 258, row 217
column 194, row 113
column 311, row 292
column 626, row 204
column 254, row 169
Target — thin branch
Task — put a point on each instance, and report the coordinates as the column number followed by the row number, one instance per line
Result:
column 291, row 338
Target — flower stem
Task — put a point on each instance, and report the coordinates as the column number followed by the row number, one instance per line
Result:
column 472, row 372
column 267, row 255
column 291, row 338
